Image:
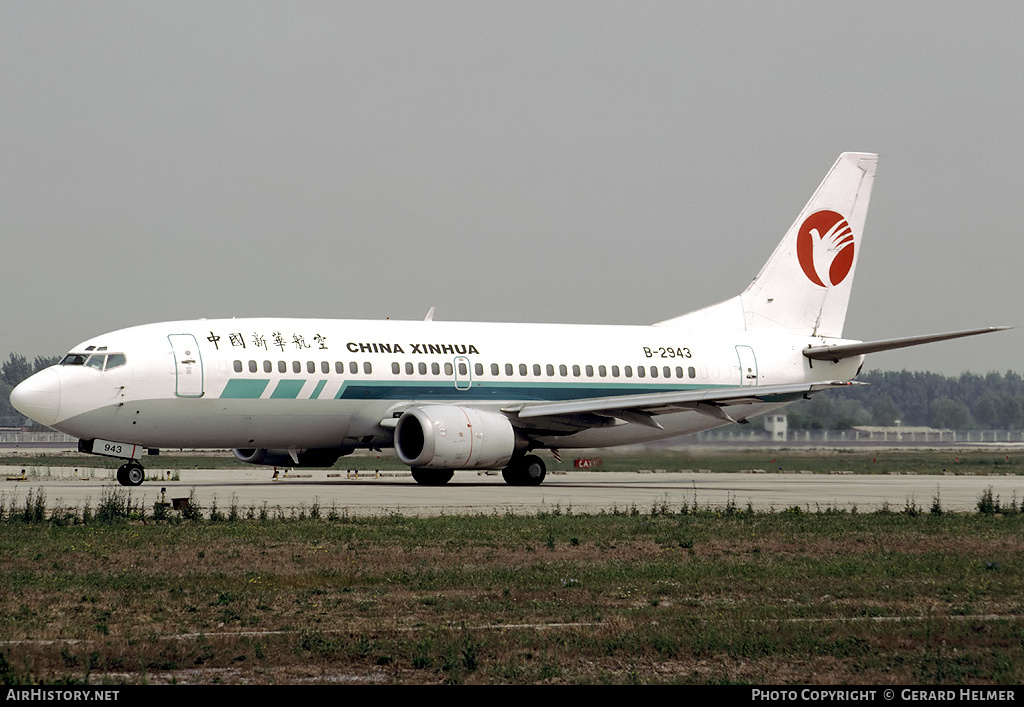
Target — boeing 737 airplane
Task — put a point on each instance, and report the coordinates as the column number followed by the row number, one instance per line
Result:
column 456, row 395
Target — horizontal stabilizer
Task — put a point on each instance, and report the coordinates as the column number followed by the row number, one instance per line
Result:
column 841, row 351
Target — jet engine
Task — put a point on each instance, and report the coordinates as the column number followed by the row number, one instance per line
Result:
column 283, row 457
column 455, row 437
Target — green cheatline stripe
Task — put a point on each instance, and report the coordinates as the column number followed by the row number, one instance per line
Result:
column 484, row 391
column 244, row 388
column 287, row 389
column 446, row 390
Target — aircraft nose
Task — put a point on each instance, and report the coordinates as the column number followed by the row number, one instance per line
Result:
column 38, row 396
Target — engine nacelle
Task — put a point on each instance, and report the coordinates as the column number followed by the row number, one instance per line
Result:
column 455, row 437
column 282, row 457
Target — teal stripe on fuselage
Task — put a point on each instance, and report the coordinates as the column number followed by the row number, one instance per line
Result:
column 480, row 391
column 288, row 389
column 244, row 388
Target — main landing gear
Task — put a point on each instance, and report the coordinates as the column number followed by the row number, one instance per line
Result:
column 131, row 474
column 525, row 471
column 432, row 477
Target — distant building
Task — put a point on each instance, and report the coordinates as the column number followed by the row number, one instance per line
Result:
column 777, row 426
column 903, row 434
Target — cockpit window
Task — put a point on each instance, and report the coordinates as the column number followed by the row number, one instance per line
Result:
column 98, row 361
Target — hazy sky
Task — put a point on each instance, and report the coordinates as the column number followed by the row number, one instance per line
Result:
column 587, row 162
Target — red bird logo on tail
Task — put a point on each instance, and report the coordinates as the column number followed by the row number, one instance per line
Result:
column 824, row 247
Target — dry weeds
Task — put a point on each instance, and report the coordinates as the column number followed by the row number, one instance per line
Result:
column 760, row 598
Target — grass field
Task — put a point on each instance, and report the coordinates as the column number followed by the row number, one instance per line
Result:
column 682, row 595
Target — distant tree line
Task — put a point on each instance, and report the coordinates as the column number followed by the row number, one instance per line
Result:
column 994, row 401
column 13, row 371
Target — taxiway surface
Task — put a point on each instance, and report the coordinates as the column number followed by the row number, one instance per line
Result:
column 470, row 492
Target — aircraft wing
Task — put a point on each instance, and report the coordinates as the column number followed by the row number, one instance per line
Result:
column 841, row 351
column 642, row 408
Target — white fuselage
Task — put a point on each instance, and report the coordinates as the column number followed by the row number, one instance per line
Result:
column 314, row 383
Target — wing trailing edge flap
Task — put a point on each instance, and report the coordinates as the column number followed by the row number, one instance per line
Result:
column 642, row 408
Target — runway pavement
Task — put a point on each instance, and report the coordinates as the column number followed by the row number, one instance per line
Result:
column 470, row 492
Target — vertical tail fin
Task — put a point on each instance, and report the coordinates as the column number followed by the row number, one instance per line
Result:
column 804, row 288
